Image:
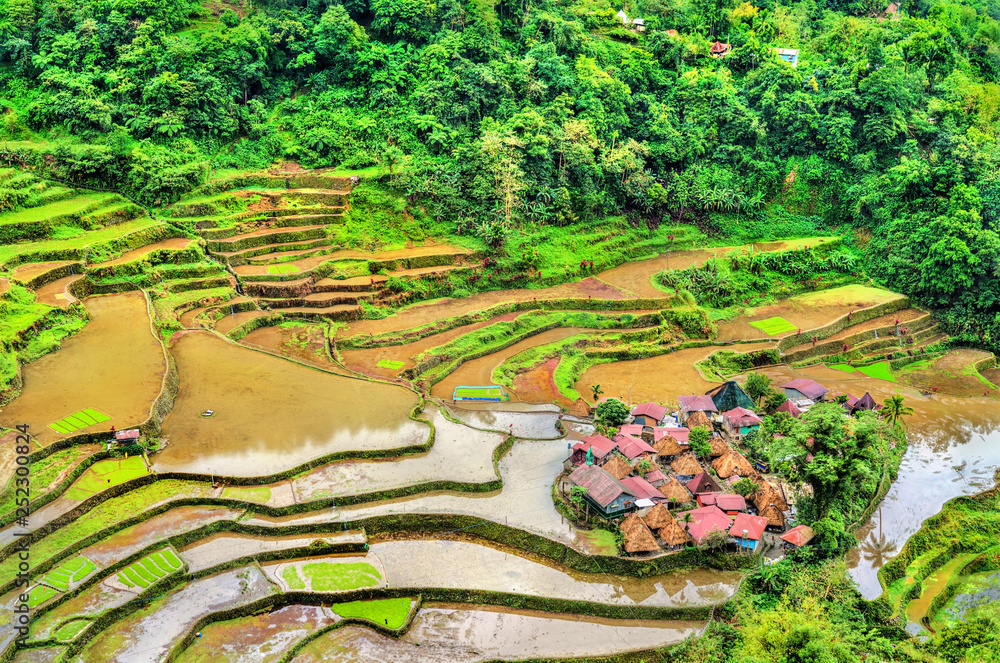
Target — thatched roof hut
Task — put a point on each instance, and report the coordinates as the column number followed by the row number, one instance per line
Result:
column 638, row 538
column 775, row 518
column 719, row 446
column 657, row 517
column 668, row 446
column 698, row 418
column 674, row 490
column 686, row 465
column 733, row 463
column 674, row 534
column 767, row 495
column 617, row 467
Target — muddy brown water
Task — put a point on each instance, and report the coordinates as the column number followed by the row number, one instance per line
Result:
column 642, row 380
column 954, row 449
column 479, row 372
column 904, row 316
column 57, row 292
column 120, row 378
column 303, row 342
column 272, row 414
column 455, row 633
column 230, row 322
column 28, row 271
column 174, row 243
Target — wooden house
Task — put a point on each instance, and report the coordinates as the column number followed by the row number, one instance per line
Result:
column 674, row 535
column 657, row 517
column 617, row 467
column 130, row 436
column 719, row 49
column 775, row 517
column 719, row 446
column 643, row 490
column 704, row 520
column 698, row 420
column 791, row 408
column 692, row 404
column 604, row 492
column 733, row 463
column 747, row 531
column 730, row 395
column 789, row 55
column 686, row 467
column 740, row 421
column 632, row 447
column 649, row 414
column 803, row 389
column 668, row 447
column 730, row 503
column 798, row 536
column 703, row 483
column 598, row 446
column 674, row 491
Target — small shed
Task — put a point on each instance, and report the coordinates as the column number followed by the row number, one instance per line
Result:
column 740, row 421
column 733, row 463
column 703, row 483
column 668, row 447
column 692, row 404
column 698, row 419
column 674, row 534
column 789, row 55
column 747, row 530
column 649, row 414
column 674, row 490
column 638, row 538
column 130, row 436
column 791, row 408
column 657, row 517
column 643, row 490
column 719, row 49
column 617, row 467
column 798, row 536
column 686, row 467
column 730, row 395
column 775, row 517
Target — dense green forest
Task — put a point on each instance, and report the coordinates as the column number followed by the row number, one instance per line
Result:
column 493, row 115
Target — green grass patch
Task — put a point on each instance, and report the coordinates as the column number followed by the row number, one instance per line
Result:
column 259, row 494
column 846, row 368
column 105, row 474
column 72, row 205
column 44, row 472
column 387, row 612
column 282, row 269
column 79, row 420
column 71, row 629
column 391, row 364
column 291, row 576
column 880, row 370
column 67, row 238
column 602, row 541
column 774, row 326
column 339, row 577
column 39, row 594
column 479, row 393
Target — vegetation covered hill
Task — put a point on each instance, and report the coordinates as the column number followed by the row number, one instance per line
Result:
column 496, row 116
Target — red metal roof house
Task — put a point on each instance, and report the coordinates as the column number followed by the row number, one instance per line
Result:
column 753, row 526
column 649, row 414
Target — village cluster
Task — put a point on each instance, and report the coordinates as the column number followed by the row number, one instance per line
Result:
column 649, row 472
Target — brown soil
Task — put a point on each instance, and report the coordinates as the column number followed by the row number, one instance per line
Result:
column 647, row 379
column 952, row 374
column 174, row 243
column 305, row 343
column 120, row 378
column 234, row 320
column 366, row 360
column 480, row 371
column 904, row 316
column 539, row 386
column 28, row 271
column 4, row 285
column 57, row 292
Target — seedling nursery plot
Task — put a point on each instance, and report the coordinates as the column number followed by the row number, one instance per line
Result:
column 149, row 569
column 774, row 326
column 480, row 394
column 79, row 420
column 69, row 573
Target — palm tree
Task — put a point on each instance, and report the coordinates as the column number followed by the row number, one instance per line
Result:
column 596, row 391
column 893, row 410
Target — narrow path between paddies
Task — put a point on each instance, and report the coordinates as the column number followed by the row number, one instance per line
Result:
column 171, row 244
column 459, row 633
column 119, row 379
column 270, row 414
column 451, row 564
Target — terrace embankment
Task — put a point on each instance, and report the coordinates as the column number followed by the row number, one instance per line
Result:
column 115, row 365
column 271, row 414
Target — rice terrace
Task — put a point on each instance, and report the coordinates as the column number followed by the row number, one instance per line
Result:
column 486, row 332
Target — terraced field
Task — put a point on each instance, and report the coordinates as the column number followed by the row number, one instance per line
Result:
column 300, row 481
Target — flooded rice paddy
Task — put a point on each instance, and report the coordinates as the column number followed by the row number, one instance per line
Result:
column 271, row 414
column 120, row 379
column 463, row 565
column 450, row 633
column 226, row 546
column 56, row 293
